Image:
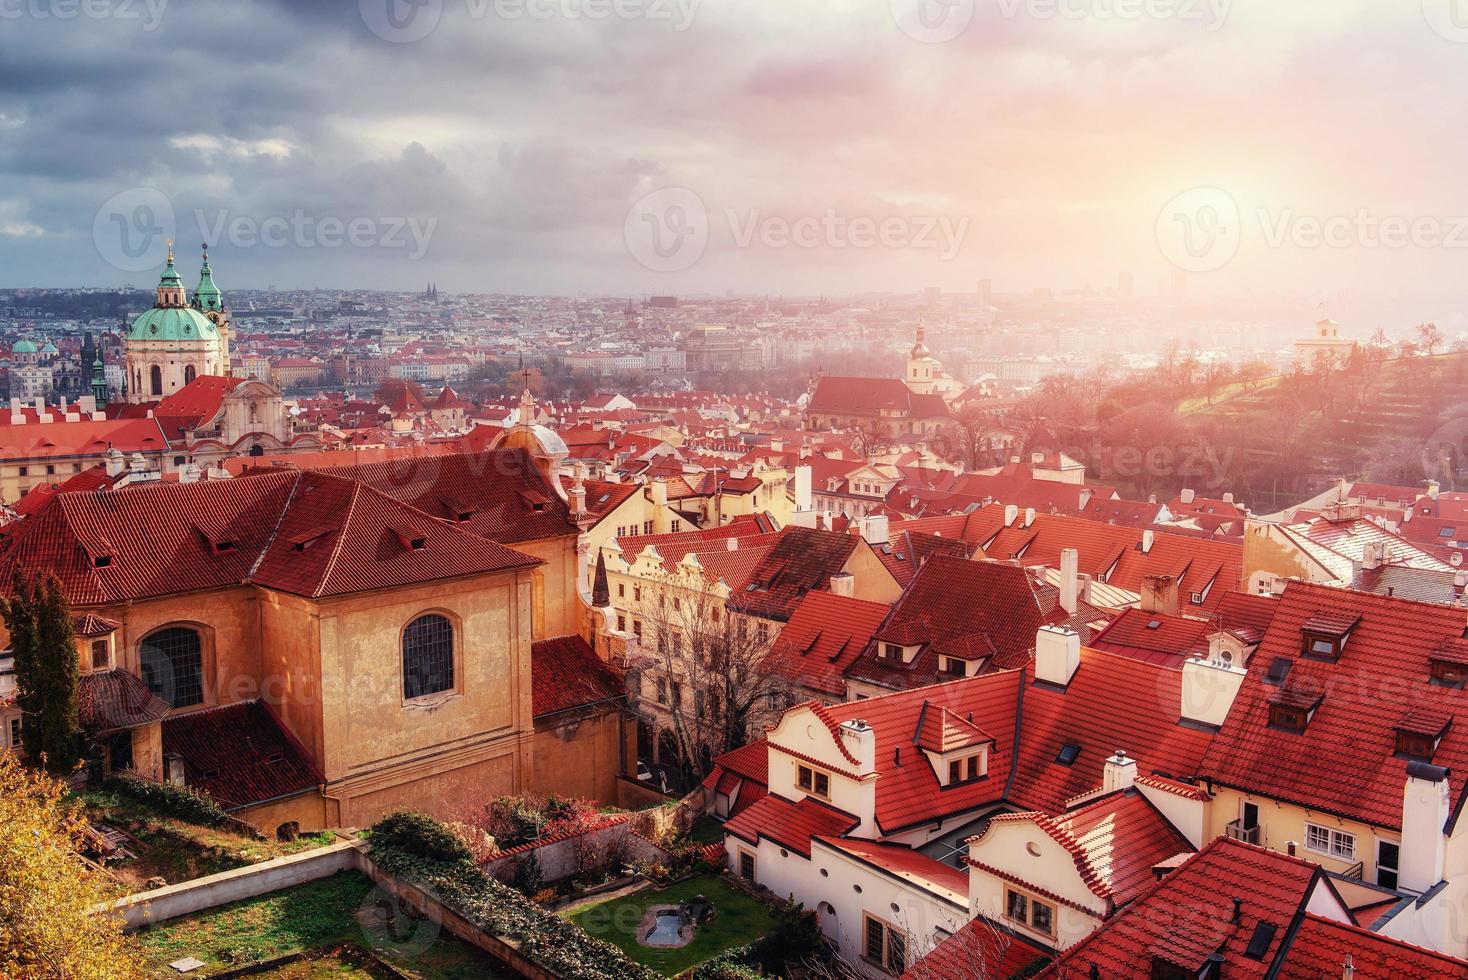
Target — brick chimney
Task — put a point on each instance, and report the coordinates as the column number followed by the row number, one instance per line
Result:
column 1159, row 594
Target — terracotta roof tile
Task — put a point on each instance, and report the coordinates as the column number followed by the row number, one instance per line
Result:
column 565, row 673
column 239, row 754
column 790, row 825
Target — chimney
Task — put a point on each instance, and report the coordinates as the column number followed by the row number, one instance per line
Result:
column 1187, row 496
column 1433, row 489
column 1069, row 561
column 777, row 446
column 874, row 529
column 803, row 488
column 1147, row 538
column 660, row 491
column 1057, row 654
column 732, row 544
column 1119, row 772
column 1159, row 594
column 114, row 463
column 1085, row 587
column 1425, row 811
column 1228, row 497
column 1371, row 556
column 843, row 584
column 1010, row 513
column 1209, row 689
column 1029, row 516
column 1037, row 459
column 860, row 740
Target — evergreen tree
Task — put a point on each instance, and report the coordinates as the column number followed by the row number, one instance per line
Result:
column 46, row 671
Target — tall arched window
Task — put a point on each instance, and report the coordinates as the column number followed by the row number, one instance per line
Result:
column 189, row 373
column 428, row 656
column 155, row 379
column 173, row 665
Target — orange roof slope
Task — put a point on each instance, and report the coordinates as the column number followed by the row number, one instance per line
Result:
column 826, row 632
column 1344, row 762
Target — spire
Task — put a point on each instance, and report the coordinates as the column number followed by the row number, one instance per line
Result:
column 206, row 294
column 527, row 402
column 170, row 284
column 601, row 592
column 99, row 382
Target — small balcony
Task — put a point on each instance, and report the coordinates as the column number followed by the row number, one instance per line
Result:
column 1237, row 830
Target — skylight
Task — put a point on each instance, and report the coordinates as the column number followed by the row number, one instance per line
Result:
column 1068, row 753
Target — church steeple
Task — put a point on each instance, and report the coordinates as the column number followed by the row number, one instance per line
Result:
column 207, row 296
column 170, row 285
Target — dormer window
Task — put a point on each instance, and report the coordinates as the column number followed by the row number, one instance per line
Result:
column 1419, row 731
column 1414, row 746
column 1448, row 673
column 101, row 654
column 891, row 651
column 1324, row 636
column 964, row 770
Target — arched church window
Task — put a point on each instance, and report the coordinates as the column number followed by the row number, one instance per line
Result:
column 155, row 380
column 428, row 656
column 189, row 374
column 173, row 665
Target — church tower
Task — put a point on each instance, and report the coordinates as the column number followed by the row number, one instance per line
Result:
column 173, row 343
column 923, row 369
column 210, row 301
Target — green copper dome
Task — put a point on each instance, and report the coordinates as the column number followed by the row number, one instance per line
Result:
column 179, row 323
column 23, row 347
column 207, row 295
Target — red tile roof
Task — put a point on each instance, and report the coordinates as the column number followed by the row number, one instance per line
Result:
column 499, row 489
column 981, row 949
column 1115, row 842
column 801, row 560
column 1153, row 636
column 873, row 397
column 825, row 633
column 1189, row 915
column 239, row 754
column 300, row 532
column 114, row 699
column 49, row 440
column 1344, row 762
column 790, row 825
column 565, row 673
column 952, row 603
column 198, row 401
column 1322, row 947
column 1085, row 714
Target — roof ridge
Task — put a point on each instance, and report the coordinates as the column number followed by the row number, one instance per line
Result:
column 275, row 531
column 341, row 537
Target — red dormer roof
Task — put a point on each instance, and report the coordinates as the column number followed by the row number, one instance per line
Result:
column 198, row 401
column 824, row 634
column 1154, row 636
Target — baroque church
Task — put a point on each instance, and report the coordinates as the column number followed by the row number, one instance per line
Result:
column 177, row 340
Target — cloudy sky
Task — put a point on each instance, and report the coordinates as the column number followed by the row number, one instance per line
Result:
column 782, row 146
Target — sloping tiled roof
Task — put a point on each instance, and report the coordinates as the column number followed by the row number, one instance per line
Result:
column 1344, row 762
column 982, row 948
column 825, row 633
column 1153, row 636
column 300, row 532
column 790, row 825
column 1115, row 841
column 239, row 754
column 1321, row 947
column 952, row 600
column 873, row 396
column 114, row 699
column 506, row 497
column 801, row 561
column 198, row 401
column 565, row 673
column 1189, row 915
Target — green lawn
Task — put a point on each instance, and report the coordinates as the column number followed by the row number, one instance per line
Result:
column 740, row 919
column 308, row 917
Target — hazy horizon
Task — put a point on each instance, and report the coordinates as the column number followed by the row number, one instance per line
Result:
column 622, row 147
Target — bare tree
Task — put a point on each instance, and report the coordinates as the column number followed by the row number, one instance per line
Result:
column 715, row 680
column 1429, row 337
